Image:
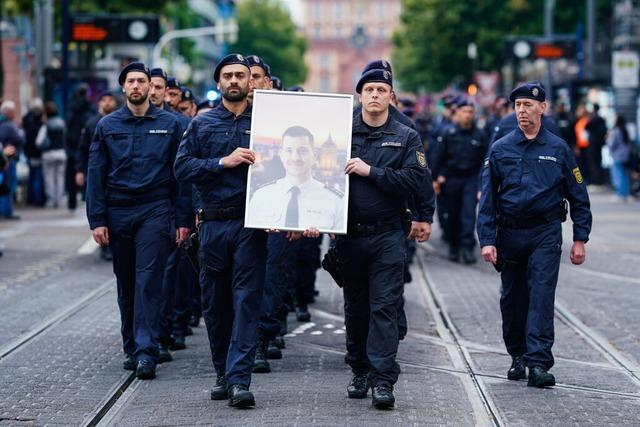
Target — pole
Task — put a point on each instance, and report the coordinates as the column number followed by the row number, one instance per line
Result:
column 65, row 55
column 1, row 61
column 591, row 38
column 549, row 8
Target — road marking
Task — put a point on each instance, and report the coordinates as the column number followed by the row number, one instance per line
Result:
column 316, row 333
column 88, row 247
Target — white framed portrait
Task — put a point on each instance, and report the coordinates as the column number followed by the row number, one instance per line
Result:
column 302, row 142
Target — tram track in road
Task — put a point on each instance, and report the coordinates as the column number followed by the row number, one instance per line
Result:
column 54, row 319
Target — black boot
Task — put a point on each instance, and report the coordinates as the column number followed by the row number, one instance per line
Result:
column 178, row 343
column 163, row 354
column 240, row 396
column 273, row 351
column 358, row 386
column 454, row 254
column 194, row 321
column 146, row 370
column 468, row 257
column 129, row 363
column 279, row 342
column 219, row 391
column 302, row 314
column 518, row 369
column 539, row 377
column 260, row 363
column 382, row 396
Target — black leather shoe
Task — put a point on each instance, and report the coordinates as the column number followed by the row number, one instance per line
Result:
column 273, row 351
column 279, row 342
column 189, row 331
column 219, row 391
column 129, row 363
column 518, row 369
column 539, row 377
column 146, row 370
column 240, row 396
column 178, row 343
column 260, row 363
column 454, row 255
column 163, row 354
column 194, row 321
column 382, row 396
column 358, row 386
column 302, row 314
column 468, row 257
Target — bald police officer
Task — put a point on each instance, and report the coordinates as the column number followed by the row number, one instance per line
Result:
column 526, row 178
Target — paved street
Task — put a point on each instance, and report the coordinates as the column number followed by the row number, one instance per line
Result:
column 60, row 355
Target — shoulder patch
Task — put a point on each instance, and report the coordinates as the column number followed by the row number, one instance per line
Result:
column 577, row 175
column 422, row 160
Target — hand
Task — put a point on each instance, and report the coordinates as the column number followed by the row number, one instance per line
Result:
column 441, row 180
column 101, row 236
column 357, row 166
column 292, row 236
column 436, row 187
column 239, row 156
column 424, row 232
column 311, row 232
column 490, row 254
column 578, row 253
column 182, row 234
column 9, row 150
column 79, row 179
column 197, row 222
column 478, row 195
column 413, row 231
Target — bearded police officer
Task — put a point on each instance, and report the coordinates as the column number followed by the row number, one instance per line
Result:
column 526, row 178
column 130, row 189
column 215, row 156
column 387, row 165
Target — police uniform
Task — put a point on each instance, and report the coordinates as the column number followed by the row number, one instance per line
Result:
column 311, row 204
column 458, row 157
column 131, row 190
column 371, row 256
column 524, row 185
column 232, row 257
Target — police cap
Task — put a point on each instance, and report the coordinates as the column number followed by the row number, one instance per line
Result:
column 267, row 70
column 277, row 83
column 158, row 72
column 187, row 94
column 375, row 75
column 296, row 89
column 234, row 58
column 105, row 94
column 133, row 66
column 532, row 90
column 462, row 101
column 206, row 104
column 379, row 64
column 256, row 61
column 448, row 100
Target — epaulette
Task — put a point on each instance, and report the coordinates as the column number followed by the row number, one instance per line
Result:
column 334, row 191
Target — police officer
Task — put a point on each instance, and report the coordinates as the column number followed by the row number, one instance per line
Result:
column 525, row 179
column 276, row 83
column 173, row 93
column 260, row 74
column 457, row 160
column 387, row 165
column 187, row 104
column 130, row 190
column 215, row 156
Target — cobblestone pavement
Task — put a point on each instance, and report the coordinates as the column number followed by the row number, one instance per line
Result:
column 60, row 356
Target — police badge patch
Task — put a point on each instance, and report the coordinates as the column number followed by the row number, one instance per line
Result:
column 422, row 160
column 577, row 175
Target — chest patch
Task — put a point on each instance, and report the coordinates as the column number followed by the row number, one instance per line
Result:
column 577, row 175
column 158, row 131
column 391, row 144
column 553, row 159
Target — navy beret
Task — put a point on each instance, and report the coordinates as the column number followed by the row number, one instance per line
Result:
column 380, row 64
column 206, row 104
column 172, row 82
column 296, row 88
column 448, row 100
column 375, row 75
column 105, row 94
column 277, row 83
column 187, row 94
column 532, row 90
column 256, row 61
column 133, row 66
column 158, row 72
column 234, row 58
column 267, row 70
column 462, row 101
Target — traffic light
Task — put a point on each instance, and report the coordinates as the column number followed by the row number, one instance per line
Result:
column 115, row 28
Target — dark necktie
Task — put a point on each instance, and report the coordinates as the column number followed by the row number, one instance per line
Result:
column 291, row 219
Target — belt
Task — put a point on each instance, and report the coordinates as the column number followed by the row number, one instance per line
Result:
column 532, row 221
column 221, row 214
column 364, row 230
column 137, row 201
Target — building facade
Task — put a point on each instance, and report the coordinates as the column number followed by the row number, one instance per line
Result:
column 343, row 36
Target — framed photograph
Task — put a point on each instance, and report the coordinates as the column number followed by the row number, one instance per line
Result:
column 302, row 142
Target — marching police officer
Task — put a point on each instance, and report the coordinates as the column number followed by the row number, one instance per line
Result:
column 387, row 165
column 215, row 156
column 457, row 160
column 260, row 74
column 173, row 93
column 526, row 178
column 130, row 190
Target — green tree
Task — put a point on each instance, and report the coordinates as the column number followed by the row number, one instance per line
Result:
column 266, row 30
column 430, row 48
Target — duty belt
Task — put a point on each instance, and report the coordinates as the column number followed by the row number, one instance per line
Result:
column 364, row 230
column 532, row 221
column 221, row 214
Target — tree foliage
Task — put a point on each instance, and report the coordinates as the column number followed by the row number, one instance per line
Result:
column 266, row 30
column 430, row 48
column 25, row 7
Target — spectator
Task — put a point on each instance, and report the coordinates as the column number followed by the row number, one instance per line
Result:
column 582, row 142
column 597, row 128
column 10, row 137
column 50, row 140
column 618, row 143
column 31, row 123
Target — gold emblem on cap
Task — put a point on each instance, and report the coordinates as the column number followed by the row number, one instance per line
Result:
column 535, row 91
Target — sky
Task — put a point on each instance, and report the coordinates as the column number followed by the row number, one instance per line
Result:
column 295, row 6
